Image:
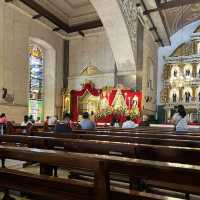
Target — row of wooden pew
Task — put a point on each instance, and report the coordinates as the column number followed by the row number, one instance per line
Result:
column 160, row 158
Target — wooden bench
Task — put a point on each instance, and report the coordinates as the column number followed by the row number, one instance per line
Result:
column 149, row 152
column 181, row 177
column 151, row 139
column 18, row 129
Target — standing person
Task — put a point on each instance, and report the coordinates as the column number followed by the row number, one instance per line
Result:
column 129, row 123
column 86, row 123
column 180, row 119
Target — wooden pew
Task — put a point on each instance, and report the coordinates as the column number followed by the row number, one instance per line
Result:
column 50, row 142
column 148, row 135
column 133, row 131
column 121, row 137
column 181, row 177
column 18, row 129
column 142, row 151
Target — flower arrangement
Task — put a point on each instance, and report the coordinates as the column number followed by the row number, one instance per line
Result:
column 103, row 113
column 134, row 113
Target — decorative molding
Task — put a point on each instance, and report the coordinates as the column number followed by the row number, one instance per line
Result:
column 129, row 10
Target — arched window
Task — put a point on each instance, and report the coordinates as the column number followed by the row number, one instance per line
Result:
column 36, row 84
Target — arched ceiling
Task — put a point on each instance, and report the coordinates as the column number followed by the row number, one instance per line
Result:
column 175, row 14
column 178, row 17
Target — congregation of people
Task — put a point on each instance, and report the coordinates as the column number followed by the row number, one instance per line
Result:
column 179, row 119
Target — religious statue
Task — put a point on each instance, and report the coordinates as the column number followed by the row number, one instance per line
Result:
column 174, row 97
column 187, row 72
column 187, row 97
column 175, row 73
column 119, row 103
column 103, row 102
column 135, row 101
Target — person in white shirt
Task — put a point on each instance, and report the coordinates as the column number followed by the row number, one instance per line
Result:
column 180, row 120
column 129, row 123
column 26, row 121
column 26, row 124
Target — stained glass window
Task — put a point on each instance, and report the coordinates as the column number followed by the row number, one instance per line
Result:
column 36, row 85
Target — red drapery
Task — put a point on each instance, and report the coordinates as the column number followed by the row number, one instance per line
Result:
column 128, row 96
column 74, row 98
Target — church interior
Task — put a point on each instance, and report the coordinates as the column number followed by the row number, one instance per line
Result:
column 105, row 104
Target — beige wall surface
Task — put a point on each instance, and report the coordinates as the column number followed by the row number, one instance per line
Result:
column 95, row 51
column 16, row 29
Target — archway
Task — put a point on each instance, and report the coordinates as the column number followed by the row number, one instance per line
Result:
column 49, row 74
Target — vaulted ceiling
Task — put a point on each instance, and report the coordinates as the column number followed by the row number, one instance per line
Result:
column 178, row 17
column 175, row 14
column 69, row 17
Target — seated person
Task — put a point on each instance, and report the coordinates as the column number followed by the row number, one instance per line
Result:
column 115, row 123
column 27, row 124
column 86, row 123
column 129, row 123
column 145, row 121
column 31, row 119
column 3, row 119
column 180, row 120
column 26, row 121
column 64, row 126
column 38, row 121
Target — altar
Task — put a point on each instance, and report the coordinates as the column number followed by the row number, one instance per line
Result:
column 105, row 103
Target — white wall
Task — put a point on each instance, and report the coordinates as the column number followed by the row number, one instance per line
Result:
column 177, row 39
column 16, row 29
column 91, row 50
